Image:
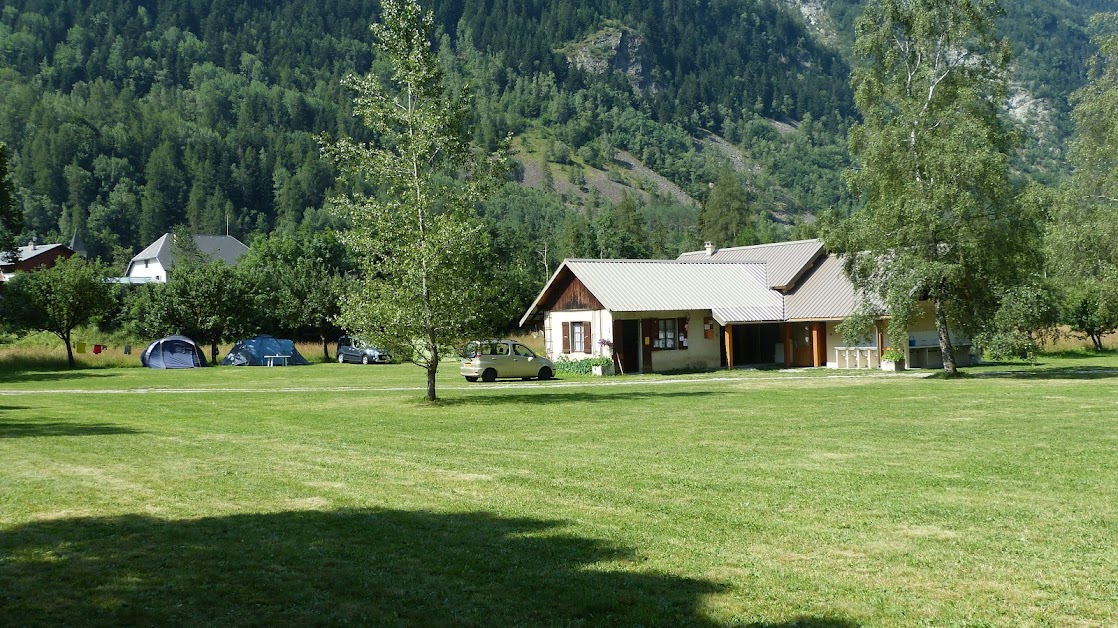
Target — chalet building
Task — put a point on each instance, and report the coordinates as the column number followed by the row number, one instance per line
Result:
column 33, row 256
column 154, row 263
column 772, row 304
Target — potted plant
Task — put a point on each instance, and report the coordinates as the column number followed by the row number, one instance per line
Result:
column 601, row 365
column 892, row 360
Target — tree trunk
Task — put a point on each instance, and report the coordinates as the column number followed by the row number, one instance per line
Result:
column 945, row 347
column 69, row 350
column 1096, row 339
column 325, row 348
column 213, row 354
column 432, row 369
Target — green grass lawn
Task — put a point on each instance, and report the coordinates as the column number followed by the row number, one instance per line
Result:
column 333, row 494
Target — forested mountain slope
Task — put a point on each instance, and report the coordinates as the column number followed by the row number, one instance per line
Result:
column 127, row 117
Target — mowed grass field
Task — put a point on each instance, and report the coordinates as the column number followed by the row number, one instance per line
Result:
column 333, row 494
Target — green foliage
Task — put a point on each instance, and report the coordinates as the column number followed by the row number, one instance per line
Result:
column 940, row 221
column 210, row 303
column 429, row 273
column 11, row 219
column 73, row 292
column 582, row 366
column 1081, row 242
column 297, row 283
column 1024, row 314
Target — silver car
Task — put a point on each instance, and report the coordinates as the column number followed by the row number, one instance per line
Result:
column 489, row 359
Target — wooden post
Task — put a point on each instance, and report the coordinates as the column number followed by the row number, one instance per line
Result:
column 880, row 343
column 816, row 344
column 729, row 333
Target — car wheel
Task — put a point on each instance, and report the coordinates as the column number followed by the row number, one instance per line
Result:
column 545, row 373
column 470, row 378
column 341, row 359
column 364, row 359
column 489, row 375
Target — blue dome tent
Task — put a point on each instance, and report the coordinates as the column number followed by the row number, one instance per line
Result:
column 264, row 350
column 173, row 352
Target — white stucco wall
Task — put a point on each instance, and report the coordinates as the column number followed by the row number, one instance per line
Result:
column 701, row 352
column 153, row 270
column 601, row 326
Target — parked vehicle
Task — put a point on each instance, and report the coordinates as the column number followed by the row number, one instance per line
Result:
column 357, row 351
column 489, row 359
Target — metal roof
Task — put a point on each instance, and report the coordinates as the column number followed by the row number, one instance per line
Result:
column 31, row 251
column 824, row 293
column 225, row 248
column 785, row 262
column 670, row 285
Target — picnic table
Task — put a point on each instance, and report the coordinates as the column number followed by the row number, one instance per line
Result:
column 272, row 359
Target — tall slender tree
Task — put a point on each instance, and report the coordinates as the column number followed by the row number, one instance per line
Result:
column 11, row 220
column 424, row 253
column 938, row 219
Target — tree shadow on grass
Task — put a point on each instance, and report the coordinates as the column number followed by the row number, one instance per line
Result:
column 545, row 398
column 1082, row 372
column 16, row 376
column 365, row 567
column 39, row 428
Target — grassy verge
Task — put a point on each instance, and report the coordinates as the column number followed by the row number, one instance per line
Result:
column 332, row 494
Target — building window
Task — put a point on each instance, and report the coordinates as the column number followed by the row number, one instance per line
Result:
column 671, row 334
column 666, row 338
column 578, row 338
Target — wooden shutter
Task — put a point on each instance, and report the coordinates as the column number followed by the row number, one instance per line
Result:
column 587, row 338
column 566, row 337
column 681, row 333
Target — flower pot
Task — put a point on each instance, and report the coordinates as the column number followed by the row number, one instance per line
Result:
column 599, row 371
column 892, row 365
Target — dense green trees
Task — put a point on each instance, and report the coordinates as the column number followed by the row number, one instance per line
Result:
column 1082, row 239
column 11, row 220
column 940, row 221
column 73, row 292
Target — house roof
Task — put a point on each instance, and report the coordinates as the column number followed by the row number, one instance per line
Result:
column 734, row 289
column 31, row 251
column 785, row 262
column 824, row 293
column 225, row 248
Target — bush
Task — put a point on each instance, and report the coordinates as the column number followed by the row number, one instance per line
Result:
column 580, row 367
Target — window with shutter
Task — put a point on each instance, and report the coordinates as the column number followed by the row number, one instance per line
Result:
column 566, row 337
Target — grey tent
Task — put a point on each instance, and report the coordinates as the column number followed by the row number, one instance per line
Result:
column 173, row 352
column 262, row 350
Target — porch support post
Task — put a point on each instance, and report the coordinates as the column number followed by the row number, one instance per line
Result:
column 880, row 343
column 815, row 344
column 787, row 345
column 729, row 333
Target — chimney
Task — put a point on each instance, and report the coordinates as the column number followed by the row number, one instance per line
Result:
column 710, row 248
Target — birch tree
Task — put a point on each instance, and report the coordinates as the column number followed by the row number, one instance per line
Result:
column 425, row 256
column 937, row 219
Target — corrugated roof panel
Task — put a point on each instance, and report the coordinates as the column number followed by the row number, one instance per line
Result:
column 737, row 315
column 784, row 262
column 824, row 293
column 651, row 285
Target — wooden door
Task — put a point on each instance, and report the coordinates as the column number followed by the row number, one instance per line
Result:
column 649, row 330
column 802, row 354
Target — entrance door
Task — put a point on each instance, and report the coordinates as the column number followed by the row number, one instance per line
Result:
column 801, row 345
column 627, row 345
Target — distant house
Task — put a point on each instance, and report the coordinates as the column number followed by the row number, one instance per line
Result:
column 33, row 256
column 772, row 304
column 155, row 262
